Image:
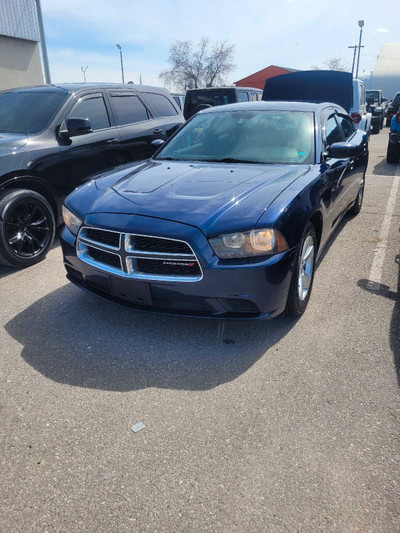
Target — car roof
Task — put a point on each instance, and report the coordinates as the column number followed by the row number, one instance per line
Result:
column 274, row 106
column 218, row 88
column 77, row 87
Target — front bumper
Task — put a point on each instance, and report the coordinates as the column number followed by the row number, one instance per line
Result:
column 249, row 290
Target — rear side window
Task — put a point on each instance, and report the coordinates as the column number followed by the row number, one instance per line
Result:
column 95, row 110
column 242, row 96
column 332, row 131
column 161, row 104
column 128, row 109
column 347, row 127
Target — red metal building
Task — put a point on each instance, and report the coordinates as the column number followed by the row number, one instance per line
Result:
column 257, row 79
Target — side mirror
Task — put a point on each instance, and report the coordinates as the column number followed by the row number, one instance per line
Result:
column 342, row 150
column 73, row 127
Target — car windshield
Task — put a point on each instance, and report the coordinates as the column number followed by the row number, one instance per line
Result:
column 374, row 95
column 28, row 112
column 245, row 136
column 396, row 99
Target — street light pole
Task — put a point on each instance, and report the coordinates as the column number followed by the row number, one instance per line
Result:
column 43, row 43
column 361, row 24
column 122, row 63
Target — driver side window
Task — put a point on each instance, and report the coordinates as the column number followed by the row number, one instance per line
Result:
column 95, row 110
column 332, row 131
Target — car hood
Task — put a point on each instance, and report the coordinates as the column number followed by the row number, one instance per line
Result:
column 11, row 141
column 211, row 196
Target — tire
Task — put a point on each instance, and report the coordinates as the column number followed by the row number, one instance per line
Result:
column 393, row 152
column 356, row 208
column 388, row 122
column 304, row 269
column 382, row 121
column 375, row 128
column 27, row 227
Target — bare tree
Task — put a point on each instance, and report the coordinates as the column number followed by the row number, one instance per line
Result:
column 206, row 66
column 334, row 63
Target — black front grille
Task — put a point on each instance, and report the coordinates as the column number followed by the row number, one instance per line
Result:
column 165, row 246
column 104, row 257
column 168, row 267
column 110, row 238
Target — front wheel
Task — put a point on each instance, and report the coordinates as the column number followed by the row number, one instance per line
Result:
column 393, row 152
column 27, row 227
column 303, row 273
column 359, row 200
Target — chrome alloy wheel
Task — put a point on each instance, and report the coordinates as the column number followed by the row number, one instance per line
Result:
column 306, row 268
column 360, row 195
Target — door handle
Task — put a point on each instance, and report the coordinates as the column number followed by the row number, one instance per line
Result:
column 158, row 130
column 112, row 141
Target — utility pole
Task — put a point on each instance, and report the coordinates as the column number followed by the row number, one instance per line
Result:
column 84, row 73
column 43, row 43
column 361, row 24
column 122, row 63
column 354, row 58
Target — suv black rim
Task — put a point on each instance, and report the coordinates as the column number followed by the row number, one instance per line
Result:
column 28, row 228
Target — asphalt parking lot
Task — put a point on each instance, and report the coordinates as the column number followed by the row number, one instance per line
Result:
column 284, row 425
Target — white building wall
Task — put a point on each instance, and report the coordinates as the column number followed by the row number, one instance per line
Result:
column 19, row 63
column 386, row 75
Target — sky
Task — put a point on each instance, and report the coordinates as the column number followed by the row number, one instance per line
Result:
column 291, row 33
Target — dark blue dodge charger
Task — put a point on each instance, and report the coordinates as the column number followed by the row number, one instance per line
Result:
column 228, row 218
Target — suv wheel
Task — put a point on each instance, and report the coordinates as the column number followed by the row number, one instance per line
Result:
column 375, row 127
column 27, row 227
column 393, row 152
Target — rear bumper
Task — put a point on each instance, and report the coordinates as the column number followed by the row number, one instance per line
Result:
column 247, row 291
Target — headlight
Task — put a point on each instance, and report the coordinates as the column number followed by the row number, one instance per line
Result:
column 72, row 222
column 249, row 244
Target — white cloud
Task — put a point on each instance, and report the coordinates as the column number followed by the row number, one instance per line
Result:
column 383, row 30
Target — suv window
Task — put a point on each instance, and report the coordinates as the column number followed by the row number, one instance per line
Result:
column 128, row 109
column 347, row 127
column 332, row 131
column 362, row 95
column 242, row 96
column 95, row 110
column 161, row 104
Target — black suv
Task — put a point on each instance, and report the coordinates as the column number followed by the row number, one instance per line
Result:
column 392, row 109
column 198, row 99
column 54, row 137
column 376, row 105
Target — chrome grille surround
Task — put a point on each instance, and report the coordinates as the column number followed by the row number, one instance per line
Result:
column 128, row 256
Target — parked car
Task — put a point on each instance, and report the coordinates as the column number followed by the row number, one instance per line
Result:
column 198, row 99
column 393, row 109
column 362, row 118
column 323, row 85
column 376, row 105
column 52, row 138
column 227, row 219
column 179, row 99
column 393, row 149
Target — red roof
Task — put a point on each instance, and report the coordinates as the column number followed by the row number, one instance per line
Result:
column 257, row 79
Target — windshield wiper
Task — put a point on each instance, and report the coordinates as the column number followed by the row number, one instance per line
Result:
column 231, row 160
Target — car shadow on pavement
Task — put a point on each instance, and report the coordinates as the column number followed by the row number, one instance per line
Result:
column 385, row 292
column 75, row 338
column 384, row 168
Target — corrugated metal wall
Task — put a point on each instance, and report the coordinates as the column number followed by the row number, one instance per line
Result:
column 18, row 18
